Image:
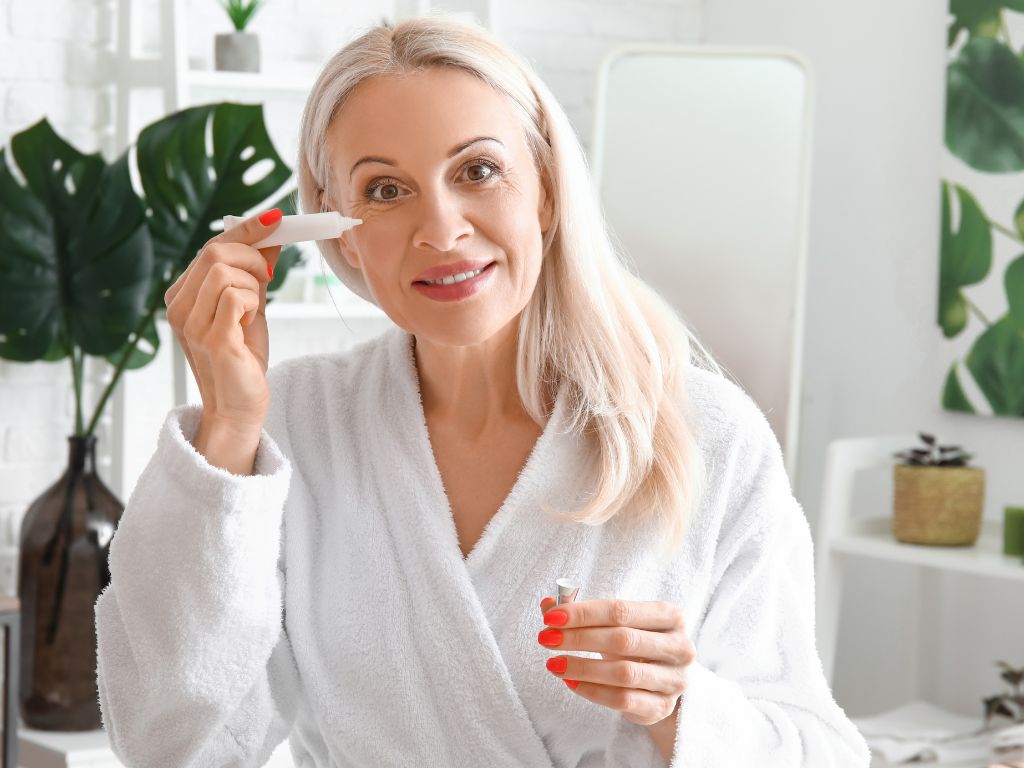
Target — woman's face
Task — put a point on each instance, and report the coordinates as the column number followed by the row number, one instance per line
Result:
column 402, row 161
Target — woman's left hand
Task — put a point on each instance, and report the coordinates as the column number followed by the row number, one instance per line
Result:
column 644, row 648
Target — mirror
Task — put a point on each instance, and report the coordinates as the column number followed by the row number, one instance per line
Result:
column 701, row 157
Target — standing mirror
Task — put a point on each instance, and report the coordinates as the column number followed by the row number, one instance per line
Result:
column 701, row 158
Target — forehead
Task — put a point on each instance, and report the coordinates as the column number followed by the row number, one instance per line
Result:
column 429, row 111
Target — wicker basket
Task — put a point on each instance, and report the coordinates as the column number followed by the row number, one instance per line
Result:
column 938, row 505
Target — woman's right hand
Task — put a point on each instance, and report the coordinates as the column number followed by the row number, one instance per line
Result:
column 217, row 308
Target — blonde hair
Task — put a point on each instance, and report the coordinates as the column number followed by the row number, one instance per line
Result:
column 591, row 324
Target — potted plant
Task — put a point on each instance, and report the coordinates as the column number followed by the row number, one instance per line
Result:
column 938, row 499
column 85, row 260
column 238, row 51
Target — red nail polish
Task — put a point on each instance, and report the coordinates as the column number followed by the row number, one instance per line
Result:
column 572, row 683
column 557, row 664
column 549, row 637
column 270, row 272
column 556, row 618
column 270, row 217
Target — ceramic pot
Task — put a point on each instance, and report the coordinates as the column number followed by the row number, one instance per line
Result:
column 938, row 505
column 237, row 52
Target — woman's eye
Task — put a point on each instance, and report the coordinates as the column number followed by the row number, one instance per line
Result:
column 388, row 191
column 480, row 171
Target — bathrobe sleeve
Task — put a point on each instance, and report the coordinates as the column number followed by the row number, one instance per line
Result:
column 756, row 693
column 193, row 664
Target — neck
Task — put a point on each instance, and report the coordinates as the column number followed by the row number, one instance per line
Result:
column 471, row 388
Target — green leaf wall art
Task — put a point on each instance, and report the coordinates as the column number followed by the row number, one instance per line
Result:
column 980, row 314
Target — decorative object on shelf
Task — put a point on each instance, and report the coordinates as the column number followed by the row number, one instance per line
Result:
column 1013, row 530
column 84, row 265
column 238, row 51
column 982, row 228
column 1011, row 704
column 938, row 499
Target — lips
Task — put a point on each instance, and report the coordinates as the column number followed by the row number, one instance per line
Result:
column 456, row 267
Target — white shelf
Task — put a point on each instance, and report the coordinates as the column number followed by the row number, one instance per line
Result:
column 872, row 538
column 56, row 749
column 91, row 749
column 230, row 83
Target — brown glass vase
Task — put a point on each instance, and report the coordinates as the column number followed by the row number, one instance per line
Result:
column 65, row 538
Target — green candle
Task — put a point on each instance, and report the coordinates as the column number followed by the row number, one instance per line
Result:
column 1013, row 531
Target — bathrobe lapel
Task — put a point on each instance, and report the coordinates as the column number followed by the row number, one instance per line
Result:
column 454, row 619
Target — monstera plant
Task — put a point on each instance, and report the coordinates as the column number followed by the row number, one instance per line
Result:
column 85, row 259
column 985, row 130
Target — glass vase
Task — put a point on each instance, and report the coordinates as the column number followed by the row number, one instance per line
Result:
column 65, row 539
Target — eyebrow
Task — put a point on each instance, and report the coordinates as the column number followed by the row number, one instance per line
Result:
column 451, row 153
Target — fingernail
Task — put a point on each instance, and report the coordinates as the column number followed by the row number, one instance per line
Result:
column 557, row 664
column 270, row 217
column 270, row 272
column 572, row 683
column 556, row 618
column 549, row 637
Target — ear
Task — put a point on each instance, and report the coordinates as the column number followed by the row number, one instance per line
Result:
column 350, row 253
column 346, row 249
column 545, row 211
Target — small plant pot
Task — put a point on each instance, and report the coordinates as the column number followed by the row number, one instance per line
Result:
column 938, row 505
column 237, row 52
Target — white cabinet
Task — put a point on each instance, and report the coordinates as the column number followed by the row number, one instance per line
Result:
column 842, row 536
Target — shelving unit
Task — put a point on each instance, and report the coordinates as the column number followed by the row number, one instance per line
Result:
column 843, row 537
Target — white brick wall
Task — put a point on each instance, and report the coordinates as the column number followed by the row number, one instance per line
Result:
column 55, row 60
column 565, row 40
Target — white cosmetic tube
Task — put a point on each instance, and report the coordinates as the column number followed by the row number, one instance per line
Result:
column 567, row 590
column 301, row 227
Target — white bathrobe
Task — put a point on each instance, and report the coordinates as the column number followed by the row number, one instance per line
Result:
column 325, row 598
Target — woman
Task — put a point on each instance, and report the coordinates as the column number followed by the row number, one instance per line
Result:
column 418, row 494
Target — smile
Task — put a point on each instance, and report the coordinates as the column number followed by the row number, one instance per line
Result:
column 457, row 287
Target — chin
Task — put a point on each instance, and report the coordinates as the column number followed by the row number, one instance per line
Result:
column 457, row 333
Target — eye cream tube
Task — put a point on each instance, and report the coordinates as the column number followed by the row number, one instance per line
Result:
column 301, row 227
column 567, row 590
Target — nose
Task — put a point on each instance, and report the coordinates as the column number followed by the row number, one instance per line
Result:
column 442, row 221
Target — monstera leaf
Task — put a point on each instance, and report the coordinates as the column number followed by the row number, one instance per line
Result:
column 996, row 360
column 979, row 17
column 985, row 107
column 198, row 165
column 1014, row 281
column 195, row 166
column 953, row 396
column 75, row 255
column 966, row 257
